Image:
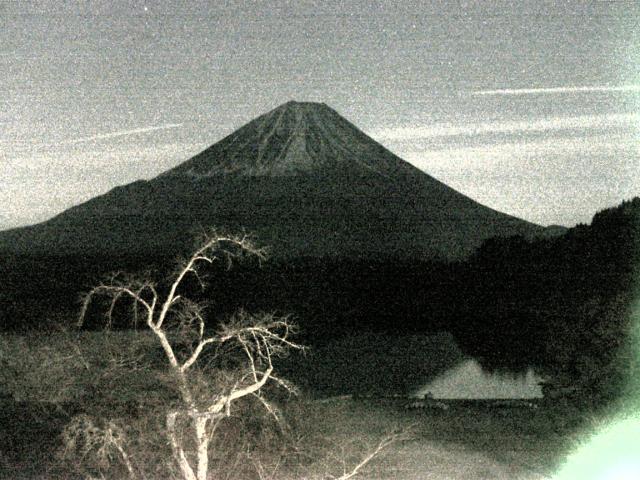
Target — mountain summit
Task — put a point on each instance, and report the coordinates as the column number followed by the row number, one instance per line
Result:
column 301, row 178
column 295, row 138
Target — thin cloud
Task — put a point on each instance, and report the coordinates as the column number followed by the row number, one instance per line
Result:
column 535, row 91
column 498, row 155
column 121, row 133
column 541, row 125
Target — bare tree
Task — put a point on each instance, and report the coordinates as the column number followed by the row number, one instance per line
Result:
column 210, row 372
column 178, row 324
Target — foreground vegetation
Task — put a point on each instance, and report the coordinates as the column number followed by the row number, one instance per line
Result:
column 194, row 399
column 326, row 438
column 115, row 376
column 203, row 406
column 560, row 305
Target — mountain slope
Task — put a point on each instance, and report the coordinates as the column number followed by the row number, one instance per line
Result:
column 295, row 138
column 301, row 178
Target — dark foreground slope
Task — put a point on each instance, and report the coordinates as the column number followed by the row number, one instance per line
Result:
column 302, row 179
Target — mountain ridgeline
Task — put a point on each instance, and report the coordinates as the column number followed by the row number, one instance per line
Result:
column 302, row 179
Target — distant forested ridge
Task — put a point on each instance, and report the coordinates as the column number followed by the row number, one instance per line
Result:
column 560, row 304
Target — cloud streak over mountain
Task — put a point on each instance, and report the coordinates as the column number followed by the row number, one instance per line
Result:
column 608, row 160
column 535, row 160
column 555, row 90
column 121, row 133
column 604, row 121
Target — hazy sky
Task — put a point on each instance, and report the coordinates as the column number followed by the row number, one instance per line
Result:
column 532, row 108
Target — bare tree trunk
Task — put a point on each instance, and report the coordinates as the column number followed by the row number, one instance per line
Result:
column 178, row 452
column 127, row 462
column 203, row 447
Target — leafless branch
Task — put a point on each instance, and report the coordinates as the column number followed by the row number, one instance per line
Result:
column 213, row 247
column 269, row 407
column 84, row 435
column 179, row 326
column 196, row 353
column 115, row 292
column 383, row 444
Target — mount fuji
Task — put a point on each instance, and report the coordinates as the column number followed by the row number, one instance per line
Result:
column 302, row 179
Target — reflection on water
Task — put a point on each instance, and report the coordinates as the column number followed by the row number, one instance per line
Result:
column 468, row 380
